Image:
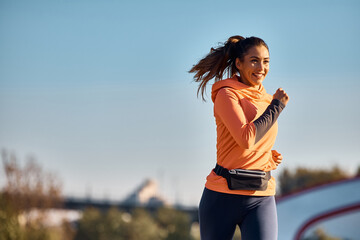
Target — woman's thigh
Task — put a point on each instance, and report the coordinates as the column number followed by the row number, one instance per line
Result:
column 217, row 220
column 260, row 223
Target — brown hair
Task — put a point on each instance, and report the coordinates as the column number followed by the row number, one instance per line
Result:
column 221, row 60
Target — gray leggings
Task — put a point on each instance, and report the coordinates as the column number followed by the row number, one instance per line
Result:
column 219, row 213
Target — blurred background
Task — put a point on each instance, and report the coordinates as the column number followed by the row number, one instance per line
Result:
column 98, row 92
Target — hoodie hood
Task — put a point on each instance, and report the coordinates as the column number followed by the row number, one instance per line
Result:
column 246, row 91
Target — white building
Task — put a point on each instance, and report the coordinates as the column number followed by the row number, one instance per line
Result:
column 146, row 194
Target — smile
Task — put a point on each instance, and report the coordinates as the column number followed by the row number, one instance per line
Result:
column 258, row 75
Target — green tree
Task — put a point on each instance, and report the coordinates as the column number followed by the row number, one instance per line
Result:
column 117, row 225
column 143, row 226
column 303, row 178
column 320, row 234
column 237, row 235
column 358, row 172
column 174, row 224
column 9, row 224
column 90, row 225
column 27, row 188
column 140, row 224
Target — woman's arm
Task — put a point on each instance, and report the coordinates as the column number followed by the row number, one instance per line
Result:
column 246, row 134
column 270, row 115
column 268, row 118
column 227, row 107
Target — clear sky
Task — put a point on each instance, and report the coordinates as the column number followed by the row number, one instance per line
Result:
column 98, row 91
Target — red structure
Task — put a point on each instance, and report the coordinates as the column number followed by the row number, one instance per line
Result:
column 334, row 207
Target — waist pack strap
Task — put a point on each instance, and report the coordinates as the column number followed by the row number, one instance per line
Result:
column 221, row 171
column 224, row 172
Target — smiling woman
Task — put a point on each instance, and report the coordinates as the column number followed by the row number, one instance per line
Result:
column 254, row 66
column 240, row 190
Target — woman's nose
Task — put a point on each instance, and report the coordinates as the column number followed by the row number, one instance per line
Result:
column 261, row 66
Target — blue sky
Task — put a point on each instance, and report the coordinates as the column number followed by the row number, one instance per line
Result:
column 98, row 91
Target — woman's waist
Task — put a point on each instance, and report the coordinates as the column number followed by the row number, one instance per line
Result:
column 249, row 159
column 219, row 184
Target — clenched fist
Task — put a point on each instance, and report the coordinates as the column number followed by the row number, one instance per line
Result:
column 281, row 95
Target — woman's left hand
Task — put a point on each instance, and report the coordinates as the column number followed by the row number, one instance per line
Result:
column 277, row 157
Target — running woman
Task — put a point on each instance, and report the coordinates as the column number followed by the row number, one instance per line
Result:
column 240, row 190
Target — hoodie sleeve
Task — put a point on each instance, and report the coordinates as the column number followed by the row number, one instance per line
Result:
column 268, row 118
column 227, row 107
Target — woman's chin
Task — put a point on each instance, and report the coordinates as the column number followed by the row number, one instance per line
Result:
column 257, row 82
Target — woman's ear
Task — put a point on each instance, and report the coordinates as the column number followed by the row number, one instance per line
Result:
column 238, row 63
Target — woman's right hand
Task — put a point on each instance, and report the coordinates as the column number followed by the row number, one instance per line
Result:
column 281, row 95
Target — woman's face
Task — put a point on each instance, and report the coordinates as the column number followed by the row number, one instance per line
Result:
column 254, row 66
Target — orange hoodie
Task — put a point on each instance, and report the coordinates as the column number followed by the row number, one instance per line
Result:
column 236, row 106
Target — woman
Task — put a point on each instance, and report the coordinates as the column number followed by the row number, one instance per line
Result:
column 240, row 189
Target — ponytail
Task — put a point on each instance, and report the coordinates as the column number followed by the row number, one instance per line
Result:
column 221, row 60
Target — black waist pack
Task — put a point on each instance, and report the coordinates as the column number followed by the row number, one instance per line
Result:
column 241, row 179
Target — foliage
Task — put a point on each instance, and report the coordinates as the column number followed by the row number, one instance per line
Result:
column 166, row 224
column 320, row 234
column 9, row 224
column 175, row 224
column 303, row 178
column 358, row 172
column 30, row 189
column 26, row 188
column 237, row 235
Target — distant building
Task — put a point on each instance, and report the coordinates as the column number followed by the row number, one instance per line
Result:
column 146, row 195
